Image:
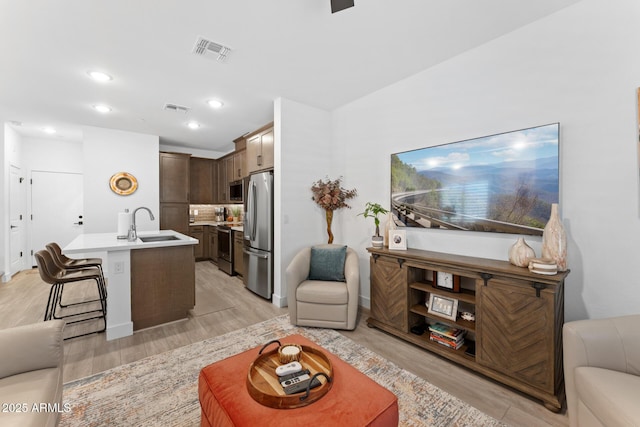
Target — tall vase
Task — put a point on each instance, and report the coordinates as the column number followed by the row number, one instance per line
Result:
column 520, row 253
column 389, row 225
column 554, row 240
column 329, row 215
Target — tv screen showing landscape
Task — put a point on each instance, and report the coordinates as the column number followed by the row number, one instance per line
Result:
column 501, row 183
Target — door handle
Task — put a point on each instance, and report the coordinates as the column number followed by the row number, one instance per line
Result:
column 78, row 223
column 14, row 226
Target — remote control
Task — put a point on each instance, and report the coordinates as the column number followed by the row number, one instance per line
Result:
column 295, row 380
column 295, row 374
column 289, row 368
column 301, row 386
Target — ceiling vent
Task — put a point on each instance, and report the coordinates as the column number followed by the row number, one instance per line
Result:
column 210, row 49
column 176, row 108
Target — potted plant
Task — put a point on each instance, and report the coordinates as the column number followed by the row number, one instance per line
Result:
column 235, row 211
column 372, row 210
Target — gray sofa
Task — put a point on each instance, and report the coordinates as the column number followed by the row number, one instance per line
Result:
column 31, row 374
column 602, row 371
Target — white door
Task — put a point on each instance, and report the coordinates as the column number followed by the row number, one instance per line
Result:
column 56, row 208
column 16, row 219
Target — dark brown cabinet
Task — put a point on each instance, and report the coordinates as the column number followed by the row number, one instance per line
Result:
column 213, row 243
column 200, row 250
column 174, row 178
column 202, row 180
column 174, row 192
column 516, row 337
column 238, row 244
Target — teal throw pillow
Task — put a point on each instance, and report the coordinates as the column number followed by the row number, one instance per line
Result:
column 327, row 263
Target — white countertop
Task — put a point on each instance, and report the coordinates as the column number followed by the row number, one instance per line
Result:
column 98, row 242
column 215, row 223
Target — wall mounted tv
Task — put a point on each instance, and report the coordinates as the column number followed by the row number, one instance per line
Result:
column 501, row 183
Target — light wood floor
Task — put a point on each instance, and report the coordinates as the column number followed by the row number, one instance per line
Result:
column 224, row 305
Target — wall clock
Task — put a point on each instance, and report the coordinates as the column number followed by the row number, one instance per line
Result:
column 447, row 281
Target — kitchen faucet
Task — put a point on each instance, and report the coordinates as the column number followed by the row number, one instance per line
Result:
column 133, row 234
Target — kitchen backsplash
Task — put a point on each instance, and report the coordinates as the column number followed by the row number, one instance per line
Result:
column 207, row 212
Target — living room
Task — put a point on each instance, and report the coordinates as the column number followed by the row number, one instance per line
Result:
column 576, row 66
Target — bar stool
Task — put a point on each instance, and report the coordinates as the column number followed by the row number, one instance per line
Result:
column 67, row 263
column 57, row 277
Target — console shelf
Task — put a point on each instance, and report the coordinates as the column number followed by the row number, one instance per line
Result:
column 517, row 332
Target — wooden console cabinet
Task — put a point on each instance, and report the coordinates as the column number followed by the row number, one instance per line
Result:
column 517, row 332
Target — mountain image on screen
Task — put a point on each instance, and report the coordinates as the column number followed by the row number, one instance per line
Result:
column 500, row 183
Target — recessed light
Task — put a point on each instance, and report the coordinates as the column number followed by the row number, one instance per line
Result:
column 49, row 130
column 101, row 108
column 99, row 76
column 214, row 103
column 193, row 125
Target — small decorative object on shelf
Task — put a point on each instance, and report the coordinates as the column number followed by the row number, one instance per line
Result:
column 447, row 281
column 554, row 240
column 520, row 253
column 389, row 226
column 468, row 316
column 329, row 195
column 372, row 210
column 543, row 266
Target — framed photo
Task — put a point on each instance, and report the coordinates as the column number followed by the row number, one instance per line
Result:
column 443, row 306
column 398, row 239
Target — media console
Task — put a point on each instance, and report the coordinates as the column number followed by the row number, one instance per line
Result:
column 516, row 337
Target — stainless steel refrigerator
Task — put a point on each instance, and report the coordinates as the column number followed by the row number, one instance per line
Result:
column 258, row 234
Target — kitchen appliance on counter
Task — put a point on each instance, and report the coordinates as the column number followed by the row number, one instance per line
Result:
column 225, row 249
column 219, row 214
column 258, row 235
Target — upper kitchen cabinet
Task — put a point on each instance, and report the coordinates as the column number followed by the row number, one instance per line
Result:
column 235, row 165
column 174, row 178
column 259, row 152
column 202, row 180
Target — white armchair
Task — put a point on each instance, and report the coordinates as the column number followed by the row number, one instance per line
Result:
column 602, row 371
column 323, row 303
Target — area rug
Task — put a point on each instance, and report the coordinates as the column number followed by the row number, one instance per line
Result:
column 161, row 390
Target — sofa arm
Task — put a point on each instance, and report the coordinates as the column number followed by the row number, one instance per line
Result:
column 31, row 347
column 612, row 343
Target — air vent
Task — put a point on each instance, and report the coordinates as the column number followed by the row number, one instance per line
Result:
column 211, row 50
column 176, row 108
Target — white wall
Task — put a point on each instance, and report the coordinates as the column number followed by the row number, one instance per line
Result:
column 579, row 67
column 107, row 152
column 52, row 155
column 303, row 154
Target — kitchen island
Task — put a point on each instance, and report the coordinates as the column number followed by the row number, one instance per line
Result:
column 150, row 281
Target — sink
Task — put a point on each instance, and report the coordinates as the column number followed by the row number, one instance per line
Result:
column 158, row 238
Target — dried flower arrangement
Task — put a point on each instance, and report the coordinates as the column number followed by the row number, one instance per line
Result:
column 330, row 195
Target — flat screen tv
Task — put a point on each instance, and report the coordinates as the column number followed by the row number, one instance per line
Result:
column 502, row 183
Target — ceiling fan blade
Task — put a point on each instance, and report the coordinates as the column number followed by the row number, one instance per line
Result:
column 338, row 5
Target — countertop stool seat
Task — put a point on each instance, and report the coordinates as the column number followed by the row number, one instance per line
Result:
column 67, row 263
column 354, row 399
column 57, row 277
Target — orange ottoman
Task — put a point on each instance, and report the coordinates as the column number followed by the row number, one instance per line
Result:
column 354, row 398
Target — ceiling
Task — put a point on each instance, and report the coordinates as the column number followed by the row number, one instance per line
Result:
column 296, row 49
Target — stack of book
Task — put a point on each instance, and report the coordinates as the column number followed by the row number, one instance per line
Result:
column 446, row 335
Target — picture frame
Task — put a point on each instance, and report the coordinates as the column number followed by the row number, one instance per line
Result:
column 443, row 306
column 398, row 239
column 446, row 281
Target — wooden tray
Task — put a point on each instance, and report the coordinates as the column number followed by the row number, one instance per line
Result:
column 263, row 385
